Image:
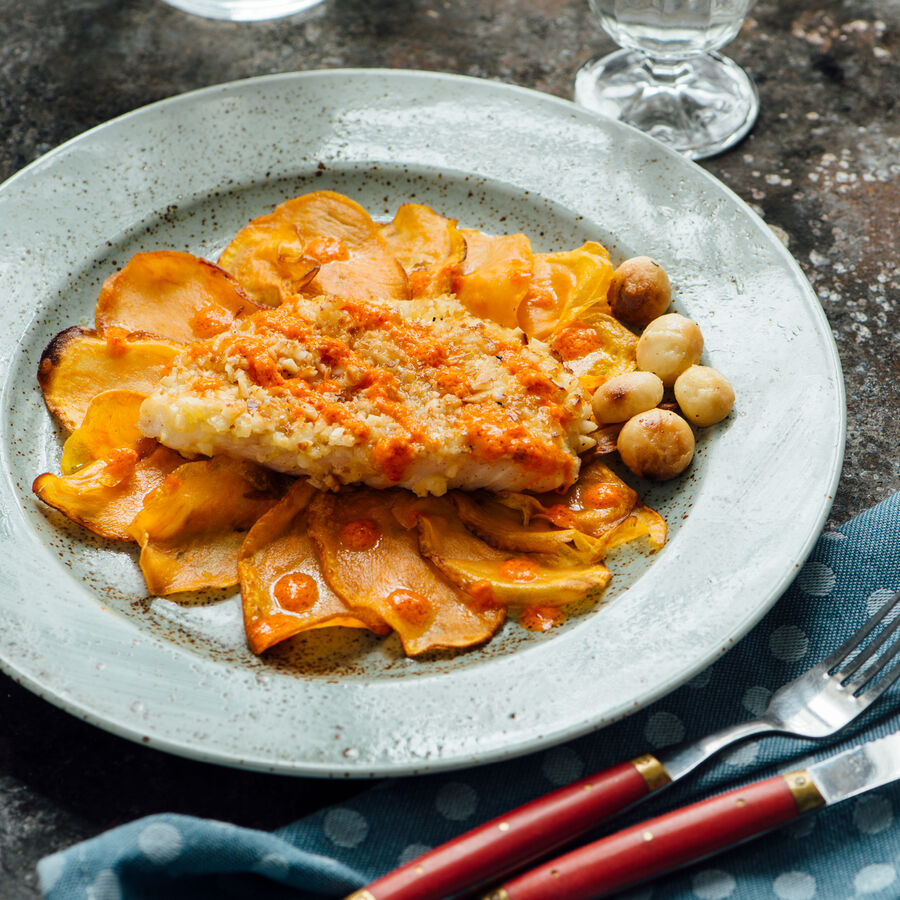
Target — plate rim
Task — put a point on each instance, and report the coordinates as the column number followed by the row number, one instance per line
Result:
column 328, row 769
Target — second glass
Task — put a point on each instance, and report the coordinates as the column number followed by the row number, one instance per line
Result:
column 668, row 81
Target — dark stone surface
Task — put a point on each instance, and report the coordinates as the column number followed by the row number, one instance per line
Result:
column 821, row 166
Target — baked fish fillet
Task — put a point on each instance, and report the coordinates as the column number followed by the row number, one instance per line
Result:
column 420, row 394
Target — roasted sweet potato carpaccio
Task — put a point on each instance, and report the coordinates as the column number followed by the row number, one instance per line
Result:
column 442, row 572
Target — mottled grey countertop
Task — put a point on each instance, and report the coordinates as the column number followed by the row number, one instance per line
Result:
column 822, row 167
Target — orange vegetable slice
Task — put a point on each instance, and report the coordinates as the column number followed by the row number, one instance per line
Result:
column 598, row 502
column 192, row 526
column 106, row 495
column 109, row 424
column 428, row 245
column 319, row 243
column 504, row 527
column 79, row 363
column 565, row 285
column 373, row 562
column 172, row 294
column 596, row 347
column 495, row 576
column 283, row 587
column 495, row 276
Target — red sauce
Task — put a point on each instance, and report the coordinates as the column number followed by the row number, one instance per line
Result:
column 116, row 340
column 602, row 496
column 520, row 570
column 541, row 618
column 206, row 383
column 392, row 456
column 575, row 341
column 296, row 592
column 210, row 320
column 326, row 249
column 411, row 606
column 482, row 595
column 361, row 534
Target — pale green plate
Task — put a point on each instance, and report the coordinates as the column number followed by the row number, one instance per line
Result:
column 76, row 625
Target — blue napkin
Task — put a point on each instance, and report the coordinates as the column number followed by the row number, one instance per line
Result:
column 846, row 851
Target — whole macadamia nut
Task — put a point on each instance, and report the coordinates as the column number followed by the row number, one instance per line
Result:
column 639, row 291
column 623, row 396
column 668, row 346
column 704, row 395
column 656, row 444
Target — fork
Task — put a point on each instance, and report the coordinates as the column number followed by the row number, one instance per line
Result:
column 819, row 703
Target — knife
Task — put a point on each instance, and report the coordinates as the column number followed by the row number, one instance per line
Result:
column 702, row 829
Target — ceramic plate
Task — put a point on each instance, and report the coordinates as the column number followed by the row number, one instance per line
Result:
column 76, row 625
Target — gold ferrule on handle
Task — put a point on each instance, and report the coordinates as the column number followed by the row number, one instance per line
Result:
column 499, row 894
column 652, row 771
column 806, row 794
column 361, row 895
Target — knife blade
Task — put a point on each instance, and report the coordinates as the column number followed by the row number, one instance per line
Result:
column 641, row 852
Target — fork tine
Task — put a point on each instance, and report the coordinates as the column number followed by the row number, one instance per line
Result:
column 860, row 661
column 856, row 639
column 874, row 692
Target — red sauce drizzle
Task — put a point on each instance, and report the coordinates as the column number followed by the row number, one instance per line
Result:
column 296, row 592
column 520, row 570
column 411, row 606
column 361, row 534
column 541, row 618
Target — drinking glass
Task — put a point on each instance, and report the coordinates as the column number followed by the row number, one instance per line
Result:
column 243, row 10
column 668, row 80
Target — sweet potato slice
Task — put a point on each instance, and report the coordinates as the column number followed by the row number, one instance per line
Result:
column 596, row 347
column 105, row 495
column 283, row 587
column 495, row 276
column 563, row 286
column 497, row 577
column 428, row 245
column 642, row 521
column 172, row 294
column 319, row 243
column 79, row 363
column 192, row 526
column 505, row 528
column 596, row 504
column 373, row 562
column 109, row 424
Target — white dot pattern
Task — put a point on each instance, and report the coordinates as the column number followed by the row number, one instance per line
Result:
column 105, row 886
column 816, row 579
column 160, row 843
column 877, row 599
column 413, row 851
column 273, row 865
column 788, row 643
column 873, row 814
column 756, row 699
column 345, row 827
column 698, row 682
column 562, row 765
column 50, row 870
column 713, row 884
column 743, row 755
column 456, row 801
column 663, row 729
column 874, row 878
column 795, row 886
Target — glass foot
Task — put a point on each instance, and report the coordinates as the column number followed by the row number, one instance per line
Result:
column 700, row 106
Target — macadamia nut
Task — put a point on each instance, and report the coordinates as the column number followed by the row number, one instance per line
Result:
column 656, row 444
column 668, row 346
column 624, row 396
column 639, row 291
column 704, row 395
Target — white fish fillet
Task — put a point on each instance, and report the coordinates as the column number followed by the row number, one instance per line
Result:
column 420, row 395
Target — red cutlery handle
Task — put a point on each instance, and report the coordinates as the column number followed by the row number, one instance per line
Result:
column 499, row 846
column 674, row 839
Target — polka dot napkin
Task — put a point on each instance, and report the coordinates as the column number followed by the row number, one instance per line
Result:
column 850, row 850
